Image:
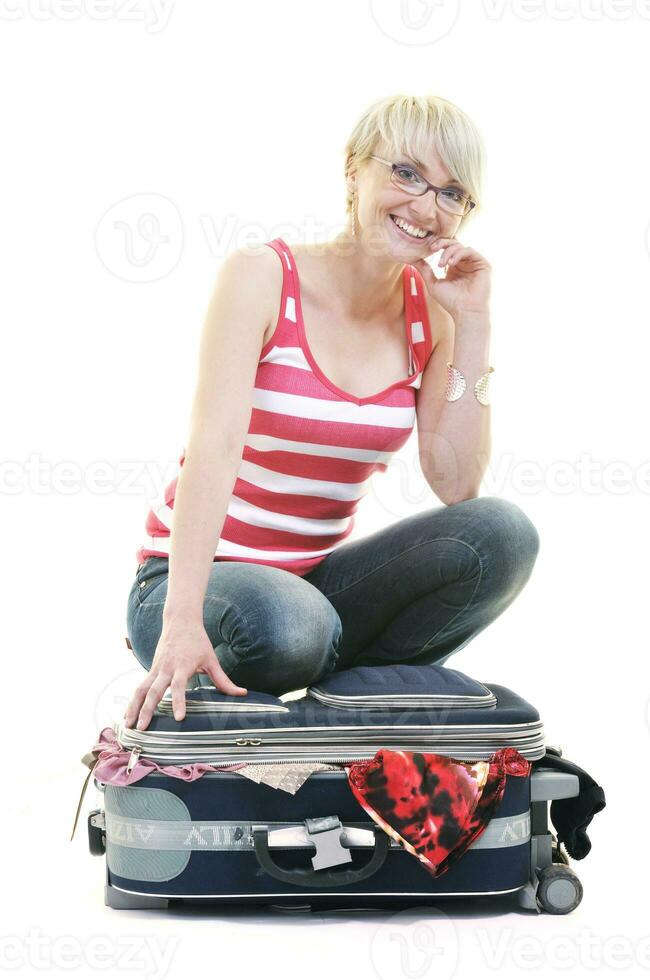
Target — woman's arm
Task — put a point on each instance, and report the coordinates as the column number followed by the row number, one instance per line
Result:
column 237, row 317
column 455, row 437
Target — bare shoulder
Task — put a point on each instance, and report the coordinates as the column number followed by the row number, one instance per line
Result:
column 261, row 267
column 255, row 256
column 259, row 262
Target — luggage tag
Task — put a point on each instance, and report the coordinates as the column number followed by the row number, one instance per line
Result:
column 325, row 833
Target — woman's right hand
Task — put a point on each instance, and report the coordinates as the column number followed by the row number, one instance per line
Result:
column 183, row 650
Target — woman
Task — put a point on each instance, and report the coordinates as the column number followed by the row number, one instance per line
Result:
column 253, row 583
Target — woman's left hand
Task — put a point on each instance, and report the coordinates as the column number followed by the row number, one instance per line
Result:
column 466, row 285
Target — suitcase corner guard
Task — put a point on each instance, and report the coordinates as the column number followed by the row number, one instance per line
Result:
column 325, row 833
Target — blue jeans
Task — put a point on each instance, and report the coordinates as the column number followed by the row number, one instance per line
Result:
column 413, row 592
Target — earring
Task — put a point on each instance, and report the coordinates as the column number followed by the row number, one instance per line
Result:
column 354, row 212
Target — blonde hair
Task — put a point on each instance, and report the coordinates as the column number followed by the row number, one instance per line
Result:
column 412, row 124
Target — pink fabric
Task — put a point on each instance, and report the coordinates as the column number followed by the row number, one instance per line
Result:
column 112, row 761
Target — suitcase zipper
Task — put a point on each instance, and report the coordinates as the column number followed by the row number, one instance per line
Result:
column 252, row 760
column 133, row 758
column 171, row 740
column 159, row 747
column 365, row 732
column 181, row 750
column 137, row 751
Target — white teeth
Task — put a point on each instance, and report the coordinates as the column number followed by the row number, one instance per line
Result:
column 409, row 229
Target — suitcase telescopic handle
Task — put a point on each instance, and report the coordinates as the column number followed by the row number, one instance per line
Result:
column 325, row 834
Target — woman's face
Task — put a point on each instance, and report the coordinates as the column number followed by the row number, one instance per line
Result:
column 378, row 198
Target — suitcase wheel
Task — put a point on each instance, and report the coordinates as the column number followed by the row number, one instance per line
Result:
column 559, row 889
column 96, row 832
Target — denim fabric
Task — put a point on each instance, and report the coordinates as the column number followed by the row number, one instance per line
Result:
column 413, row 592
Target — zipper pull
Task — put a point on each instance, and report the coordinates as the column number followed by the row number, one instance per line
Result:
column 133, row 758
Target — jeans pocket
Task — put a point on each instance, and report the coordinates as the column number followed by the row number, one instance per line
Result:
column 147, row 582
column 145, row 587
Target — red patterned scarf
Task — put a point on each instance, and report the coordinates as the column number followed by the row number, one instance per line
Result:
column 433, row 805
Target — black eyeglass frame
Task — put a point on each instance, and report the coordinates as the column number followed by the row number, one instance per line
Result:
column 469, row 203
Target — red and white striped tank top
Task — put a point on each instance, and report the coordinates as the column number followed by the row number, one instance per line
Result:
column 311, row 448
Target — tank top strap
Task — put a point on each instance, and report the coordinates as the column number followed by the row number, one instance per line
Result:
column 285, row 333
column 417, row 313
column 289, row 280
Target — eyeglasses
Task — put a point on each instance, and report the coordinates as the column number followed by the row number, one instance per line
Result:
column 409, row 180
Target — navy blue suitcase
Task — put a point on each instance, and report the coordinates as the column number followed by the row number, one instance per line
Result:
column 226, row 839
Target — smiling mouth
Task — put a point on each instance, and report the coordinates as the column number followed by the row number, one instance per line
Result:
column 415, row 238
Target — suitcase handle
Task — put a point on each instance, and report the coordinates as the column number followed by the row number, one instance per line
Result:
column 322, row 878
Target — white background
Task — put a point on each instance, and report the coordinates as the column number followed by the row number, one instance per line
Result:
column 234, row 117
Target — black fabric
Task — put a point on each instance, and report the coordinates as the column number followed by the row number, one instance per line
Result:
column 572, row 816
